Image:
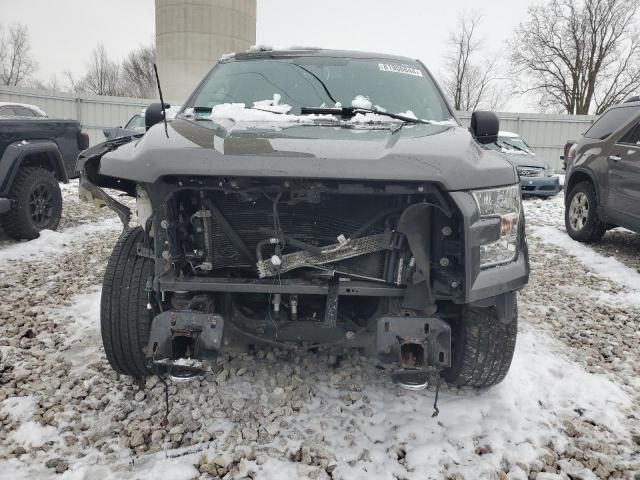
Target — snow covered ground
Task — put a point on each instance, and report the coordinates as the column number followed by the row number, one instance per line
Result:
column 569, row 408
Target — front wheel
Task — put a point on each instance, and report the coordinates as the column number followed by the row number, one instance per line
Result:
column 125, row 320
column 483, row 346
column 38, row 204
column 581, row 214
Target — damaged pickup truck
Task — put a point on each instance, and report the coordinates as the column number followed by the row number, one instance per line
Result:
column 327, row 199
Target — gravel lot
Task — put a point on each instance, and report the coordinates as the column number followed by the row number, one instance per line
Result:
column 569, row 408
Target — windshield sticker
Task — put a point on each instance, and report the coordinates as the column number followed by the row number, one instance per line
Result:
column 407, row 70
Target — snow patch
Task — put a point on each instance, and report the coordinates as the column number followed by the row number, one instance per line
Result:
column 55, row 243
column 34, row 434
column 608, row 267
column 361, row 102
column 240, row 113
column 18, row 408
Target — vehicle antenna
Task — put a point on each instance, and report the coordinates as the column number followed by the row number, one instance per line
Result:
column 164, row 112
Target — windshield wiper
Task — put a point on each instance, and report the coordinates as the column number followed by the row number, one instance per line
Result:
column 501, row 144
column 348, row 112
column 198, row 112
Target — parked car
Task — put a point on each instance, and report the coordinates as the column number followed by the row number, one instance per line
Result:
column 8, row 109
column 565, row 153
column 35, row 154
column 537, row 178
column 603, row 175
column 317, row 197
column 135, row 126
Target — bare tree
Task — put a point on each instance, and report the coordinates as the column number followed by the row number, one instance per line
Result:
column 102, row 77
column 581, row 54
column 138, row 76
column 16, row 64
column 468, row 78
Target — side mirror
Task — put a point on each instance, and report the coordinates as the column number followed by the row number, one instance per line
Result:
column 153, row 114
column 484, row 127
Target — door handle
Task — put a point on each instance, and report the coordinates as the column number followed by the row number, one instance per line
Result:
column 615, row 158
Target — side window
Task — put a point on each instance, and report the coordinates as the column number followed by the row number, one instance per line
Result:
column 136, row 123
column 7, row 112
column 632, row 136
column 610, row 121
column 24, row 112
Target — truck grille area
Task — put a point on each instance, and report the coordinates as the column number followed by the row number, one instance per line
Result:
column 266, row 228
column 313, row 224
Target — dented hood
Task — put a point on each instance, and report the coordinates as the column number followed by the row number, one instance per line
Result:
column 444, row 154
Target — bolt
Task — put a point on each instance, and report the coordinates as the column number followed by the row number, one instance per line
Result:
column 421, row 188
column 166, row 254
column 164, row 224
column 446, row 231
column 455, row 284
column 444, row 261
column 350, row 335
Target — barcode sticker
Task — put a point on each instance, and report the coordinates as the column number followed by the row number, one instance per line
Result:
column 406, row 69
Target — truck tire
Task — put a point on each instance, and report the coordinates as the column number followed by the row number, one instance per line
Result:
column 38, row 199
column 125, row 320
column 483, row 347
column 581, row 214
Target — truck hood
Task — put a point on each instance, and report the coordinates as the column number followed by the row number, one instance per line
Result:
column 444, row 154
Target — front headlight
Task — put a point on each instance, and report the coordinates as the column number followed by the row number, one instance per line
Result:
column 502, row 203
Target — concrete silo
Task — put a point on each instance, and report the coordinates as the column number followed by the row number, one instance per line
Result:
column 191, row 35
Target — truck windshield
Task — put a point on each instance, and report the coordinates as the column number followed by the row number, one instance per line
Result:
column 395, row 86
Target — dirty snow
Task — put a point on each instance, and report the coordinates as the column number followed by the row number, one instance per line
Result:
column 567, row 409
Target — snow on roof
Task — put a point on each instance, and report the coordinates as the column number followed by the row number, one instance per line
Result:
column 27, row 105
column 503, row 133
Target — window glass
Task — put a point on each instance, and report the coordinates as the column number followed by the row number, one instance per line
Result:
column 136, row 123
column 632, row 136
column 24, row 112
column 610, row 121
column 394, row 85
column 7, row 112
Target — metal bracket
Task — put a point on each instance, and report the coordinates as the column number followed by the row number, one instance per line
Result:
column 203, row 330
column 331, row 310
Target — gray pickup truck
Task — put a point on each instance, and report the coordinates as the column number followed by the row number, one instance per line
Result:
column 328, row 199
column 36, row 153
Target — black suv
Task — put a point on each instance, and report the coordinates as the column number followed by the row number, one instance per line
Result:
column 603, row 175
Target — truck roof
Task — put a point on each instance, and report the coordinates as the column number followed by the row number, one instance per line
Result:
column 268, row 52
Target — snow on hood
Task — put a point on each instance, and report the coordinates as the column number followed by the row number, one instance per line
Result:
column 262, row 112
column 361, row 102
column 272, row 105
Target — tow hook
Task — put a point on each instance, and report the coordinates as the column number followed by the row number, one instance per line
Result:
column 416, row 347
column 182, row 342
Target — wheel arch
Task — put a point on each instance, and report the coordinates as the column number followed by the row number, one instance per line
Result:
column 577, row 177
column 36, row 153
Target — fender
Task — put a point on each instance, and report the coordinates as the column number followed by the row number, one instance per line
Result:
column 16, row 153
column 588, row 173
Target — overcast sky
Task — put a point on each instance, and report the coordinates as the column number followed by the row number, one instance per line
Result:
column 64, row 32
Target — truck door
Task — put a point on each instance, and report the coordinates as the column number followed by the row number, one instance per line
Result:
column 624, row 175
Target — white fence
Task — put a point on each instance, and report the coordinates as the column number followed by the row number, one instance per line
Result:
column 94, row 112
column 546, row 134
